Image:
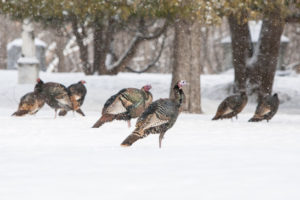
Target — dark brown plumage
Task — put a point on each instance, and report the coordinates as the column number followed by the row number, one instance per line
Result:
column 31, row 102
column 57, row 96
column 266, row 108
column 158, row 117
column 126, row 104
column 77, row 93
column 231, row 106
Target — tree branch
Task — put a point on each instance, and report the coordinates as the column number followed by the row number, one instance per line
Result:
column 82, row 47
column 121, row 63
column 293, row 18
column 156, row 33
column 153, row 62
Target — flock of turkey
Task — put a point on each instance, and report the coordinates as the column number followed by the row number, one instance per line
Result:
column 153, row 117
column 233, row 105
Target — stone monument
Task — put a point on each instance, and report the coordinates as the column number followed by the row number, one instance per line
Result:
column 28, row 64
column 14, row 52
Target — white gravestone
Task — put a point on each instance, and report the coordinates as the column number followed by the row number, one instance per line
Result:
column 28, row 64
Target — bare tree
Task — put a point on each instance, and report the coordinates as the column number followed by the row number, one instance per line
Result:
column 103, row 37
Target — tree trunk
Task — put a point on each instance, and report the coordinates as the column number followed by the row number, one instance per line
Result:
column 4, row 33
column 98, row 54
column 83, row 49
column 103, row 38
column 266, row 53
column 241, row 49
column 195, row 70
column 186, row 63
column 60, row 45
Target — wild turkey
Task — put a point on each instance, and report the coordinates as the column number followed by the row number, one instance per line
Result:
column 31, row 102
column 57, row 96
column 158, row 117
column 266, row 108
column 126, row 104
column 231, row 106
column 77, row 94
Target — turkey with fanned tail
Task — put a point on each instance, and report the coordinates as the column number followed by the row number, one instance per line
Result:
column 126, row 104
column 158, row 117
column 266, row 108
column 77, row 94
column 31, row 102
column 231, row 106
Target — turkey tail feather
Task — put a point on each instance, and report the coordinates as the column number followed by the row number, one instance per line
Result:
column 132, row 138
column 20, row 113
column 103, row 119
column 80, row 112
column 229, row 115
column 215, row 118
column 219, row 114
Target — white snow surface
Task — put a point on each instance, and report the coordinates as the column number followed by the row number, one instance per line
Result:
column 64, row 158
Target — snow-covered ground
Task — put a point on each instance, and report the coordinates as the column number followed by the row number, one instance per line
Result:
column 61, row 159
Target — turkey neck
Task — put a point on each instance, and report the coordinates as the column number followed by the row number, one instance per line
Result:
column 38, row 89
column 179, row 95
column 147, row 96
column 244, row 96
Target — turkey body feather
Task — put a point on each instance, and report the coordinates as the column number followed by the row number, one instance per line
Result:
column 126, row 104
column 231, row 106
column 77, row 93
column 161, row 112
column 266, row 108
column 158, row 117
column 57, row 96
column 30, row 103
